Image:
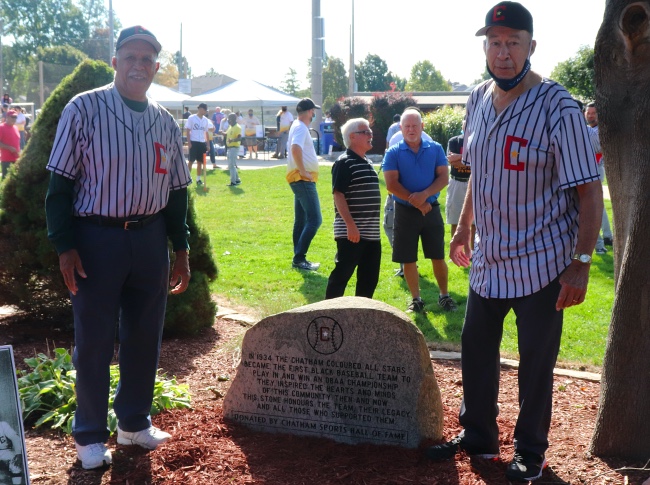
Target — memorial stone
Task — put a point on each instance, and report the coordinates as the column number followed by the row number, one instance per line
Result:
column 350, row 369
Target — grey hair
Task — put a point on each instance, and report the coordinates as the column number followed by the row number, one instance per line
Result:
column 411, row 111
column 350, row 126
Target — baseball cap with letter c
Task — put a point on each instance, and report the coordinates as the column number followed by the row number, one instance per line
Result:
column 508, row 14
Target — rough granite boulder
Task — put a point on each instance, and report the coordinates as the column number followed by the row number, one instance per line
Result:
column 351, row 369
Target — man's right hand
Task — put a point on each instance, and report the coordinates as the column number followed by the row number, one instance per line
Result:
column 306, row 175
column 69, row 263
column 459, row 247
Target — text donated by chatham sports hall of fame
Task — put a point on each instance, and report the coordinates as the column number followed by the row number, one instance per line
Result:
column 324, row 395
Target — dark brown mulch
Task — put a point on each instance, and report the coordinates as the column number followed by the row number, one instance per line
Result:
column 207, row 450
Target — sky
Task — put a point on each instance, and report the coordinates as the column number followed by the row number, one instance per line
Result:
column 261, row 40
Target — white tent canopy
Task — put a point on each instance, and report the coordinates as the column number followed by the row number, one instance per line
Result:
column 167, row 97
column 245, row 94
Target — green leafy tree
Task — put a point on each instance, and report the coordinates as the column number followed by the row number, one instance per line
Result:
column 335, row 82
column 182, row 65
column 399, row 83
column 577, row 74
column 444, row 123
column 43, row 23
column 290, row 85
column 425, row 77
column 372, row 75
column 29, row 270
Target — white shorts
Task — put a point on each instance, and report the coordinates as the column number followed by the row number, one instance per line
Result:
column 455, row 197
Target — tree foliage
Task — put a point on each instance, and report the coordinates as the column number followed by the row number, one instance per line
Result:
column 30, row 25
column 577, row 74
column 372, row 75
column 290, row 85
column 335, row 82
column 29, row 268
column 425, row 77
column 167, row 75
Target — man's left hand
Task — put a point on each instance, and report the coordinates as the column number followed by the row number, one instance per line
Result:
column 180, row 276
column 574, row 285
column 417, row 199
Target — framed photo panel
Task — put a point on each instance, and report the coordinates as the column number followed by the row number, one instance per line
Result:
column 13, row 456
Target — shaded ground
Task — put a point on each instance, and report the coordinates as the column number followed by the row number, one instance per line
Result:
column 206, row 450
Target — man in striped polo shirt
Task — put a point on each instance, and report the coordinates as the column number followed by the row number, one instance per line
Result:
column 536, row 198
column 117, row 192
column 357, row 204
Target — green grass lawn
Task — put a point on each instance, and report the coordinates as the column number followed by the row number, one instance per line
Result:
column 250, row 229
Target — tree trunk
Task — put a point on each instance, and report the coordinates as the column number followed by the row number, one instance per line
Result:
column 622, row 68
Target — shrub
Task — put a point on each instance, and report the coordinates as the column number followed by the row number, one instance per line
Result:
column 47, row 393
column 444, row 123
column 344, row 110
column 382, row 109
column 29, row 267
column 379, row 114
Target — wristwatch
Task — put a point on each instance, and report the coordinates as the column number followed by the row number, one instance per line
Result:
column 583, row 258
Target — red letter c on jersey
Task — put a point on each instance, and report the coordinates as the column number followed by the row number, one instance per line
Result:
column 511, row 152
column 161, row 158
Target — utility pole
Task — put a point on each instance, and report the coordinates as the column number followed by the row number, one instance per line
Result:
column 317, row 54
column 351, row 79
column 111, row 26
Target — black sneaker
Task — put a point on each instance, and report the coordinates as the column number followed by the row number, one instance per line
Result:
column 608, row 241
column 447, row 303
column 448, row 450
column 306, row 265
column 199, row 183
column 416, row 306
column 525, row 466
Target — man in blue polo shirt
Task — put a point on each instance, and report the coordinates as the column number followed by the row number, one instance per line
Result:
column 415, row 172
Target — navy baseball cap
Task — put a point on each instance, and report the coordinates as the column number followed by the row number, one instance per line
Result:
column 508, row 14
column 137, row 32
column 306, row 104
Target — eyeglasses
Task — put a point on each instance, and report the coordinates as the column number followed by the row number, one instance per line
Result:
column 364, row 132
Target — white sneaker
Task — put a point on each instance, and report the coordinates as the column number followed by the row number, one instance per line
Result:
column 94, row 455
column 148, row 438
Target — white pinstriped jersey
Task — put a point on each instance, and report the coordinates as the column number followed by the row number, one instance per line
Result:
column 525, row 163
column 124, row 163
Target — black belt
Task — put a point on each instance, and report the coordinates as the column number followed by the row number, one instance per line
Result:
column 459, row 179
column 128, row 223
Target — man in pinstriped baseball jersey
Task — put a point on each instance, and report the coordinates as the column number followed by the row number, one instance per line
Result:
column 118, row 191
column 536, row 199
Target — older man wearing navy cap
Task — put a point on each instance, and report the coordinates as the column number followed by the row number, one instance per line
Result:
column 117, row 193
column 536, row 199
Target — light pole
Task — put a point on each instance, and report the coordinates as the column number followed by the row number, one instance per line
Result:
column 351, row 78
column 317, row 54
column 2, row 65
column 111, row 47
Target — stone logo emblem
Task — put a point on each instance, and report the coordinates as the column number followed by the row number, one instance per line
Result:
column 325, row 335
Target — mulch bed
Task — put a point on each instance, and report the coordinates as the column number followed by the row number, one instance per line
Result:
column 207, row 450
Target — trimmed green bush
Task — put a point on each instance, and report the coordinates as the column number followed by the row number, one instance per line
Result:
column 444, row 123
column 29, row 267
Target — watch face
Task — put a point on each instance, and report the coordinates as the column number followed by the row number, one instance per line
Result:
column 584, row 258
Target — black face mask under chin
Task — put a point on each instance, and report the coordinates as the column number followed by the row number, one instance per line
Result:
column 508, row 84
